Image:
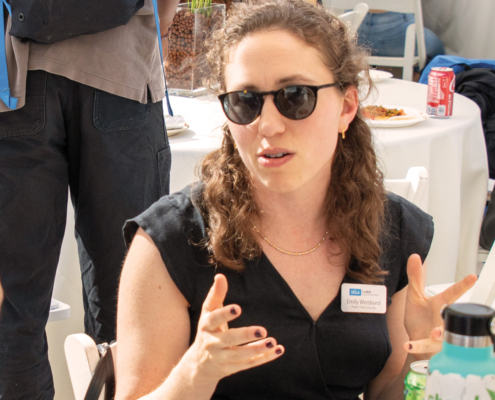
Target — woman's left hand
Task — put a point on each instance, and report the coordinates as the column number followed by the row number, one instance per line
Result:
column 422, row 313
column 430, row 346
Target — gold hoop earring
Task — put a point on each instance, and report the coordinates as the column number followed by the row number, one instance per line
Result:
column 235, row 145
column 343, row 133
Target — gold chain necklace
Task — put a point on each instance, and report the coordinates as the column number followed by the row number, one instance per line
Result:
column 288, row 252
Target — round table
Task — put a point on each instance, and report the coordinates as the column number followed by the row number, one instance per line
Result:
column 452, row 150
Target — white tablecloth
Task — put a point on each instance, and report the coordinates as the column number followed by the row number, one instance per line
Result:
column 452, row 150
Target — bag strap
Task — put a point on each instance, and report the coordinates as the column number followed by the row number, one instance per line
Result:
column 10, row 102
column 104, row 375
column 157, row 23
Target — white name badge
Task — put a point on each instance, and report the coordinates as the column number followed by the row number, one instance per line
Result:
column 357, row 298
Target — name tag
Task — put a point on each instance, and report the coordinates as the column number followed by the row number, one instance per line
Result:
column 357, row 298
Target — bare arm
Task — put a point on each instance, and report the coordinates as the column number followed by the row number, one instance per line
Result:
column 389, row 383
column 153, row 331
column 412, row 316
column 166, row 12
column 153, row 325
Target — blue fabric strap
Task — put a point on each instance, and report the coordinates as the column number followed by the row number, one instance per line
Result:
column 157, row 22
column 10, row 102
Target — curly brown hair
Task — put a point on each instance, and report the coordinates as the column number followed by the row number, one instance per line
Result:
column 355, row 197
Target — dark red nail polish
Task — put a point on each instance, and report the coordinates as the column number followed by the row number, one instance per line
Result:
column 410, row 346
column 278, row 351
column 269, row 345
column 257, row 333
column 233, row 311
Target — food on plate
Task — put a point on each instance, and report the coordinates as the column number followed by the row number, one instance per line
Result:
column 380, row 113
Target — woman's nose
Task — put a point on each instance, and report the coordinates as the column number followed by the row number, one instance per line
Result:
column 271, row 122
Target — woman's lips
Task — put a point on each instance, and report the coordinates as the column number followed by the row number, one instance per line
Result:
column 272, row 162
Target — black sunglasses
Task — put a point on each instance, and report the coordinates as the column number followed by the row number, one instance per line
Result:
column 294, row 102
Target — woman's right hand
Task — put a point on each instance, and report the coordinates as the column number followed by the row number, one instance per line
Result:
column 219, row 351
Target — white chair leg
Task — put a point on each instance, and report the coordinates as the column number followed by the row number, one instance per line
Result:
column 407, row 70
column 82, row 357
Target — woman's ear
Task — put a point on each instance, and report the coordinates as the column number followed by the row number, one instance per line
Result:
column 350, row 106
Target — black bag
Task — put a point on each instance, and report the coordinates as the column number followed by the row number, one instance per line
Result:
column 51, row 21
column 104, row 375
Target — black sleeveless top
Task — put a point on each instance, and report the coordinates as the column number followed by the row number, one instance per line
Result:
column 332, row 358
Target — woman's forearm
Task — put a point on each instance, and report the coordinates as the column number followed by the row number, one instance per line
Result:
column 395, row 389
column 184, row 382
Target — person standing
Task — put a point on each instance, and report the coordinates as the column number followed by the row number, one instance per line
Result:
column 89, row 117
column 385, row 34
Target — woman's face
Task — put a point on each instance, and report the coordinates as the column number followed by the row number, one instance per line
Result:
column 271, row 60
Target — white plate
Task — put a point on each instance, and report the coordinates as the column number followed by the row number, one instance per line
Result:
column 175, row 122
column 54, row 304
column 173, row 132
column 378, row 76
column 412, row 117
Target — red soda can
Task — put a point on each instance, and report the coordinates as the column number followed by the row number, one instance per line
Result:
column 441, row 86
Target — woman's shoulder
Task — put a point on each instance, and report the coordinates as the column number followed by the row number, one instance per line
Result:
column 177, row 228
column 398, row 211
column 407, row 226
column 170, row 217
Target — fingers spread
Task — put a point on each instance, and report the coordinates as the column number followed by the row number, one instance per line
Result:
column 238, row 354
column 415, row 274
column 268, row 354
column 426, row 346
column 437, row 333
column 242, row 336
column 431, row 345
column 455, row 291
column 214, row 319
column 217, row 293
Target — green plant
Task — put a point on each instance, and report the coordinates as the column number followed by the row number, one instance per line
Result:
column 197, row 4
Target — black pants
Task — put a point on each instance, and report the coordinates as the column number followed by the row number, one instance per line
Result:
column 114, row 155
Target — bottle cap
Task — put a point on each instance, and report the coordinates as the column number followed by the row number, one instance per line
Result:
column 469, row 319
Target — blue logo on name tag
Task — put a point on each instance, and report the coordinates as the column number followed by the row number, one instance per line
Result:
column 355, row 292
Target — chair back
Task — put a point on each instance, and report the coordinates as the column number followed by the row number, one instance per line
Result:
column 413, row 35
column 403, row 6
column 83, row 356
column 483, row 291
column 413, row 188
column 354, row 18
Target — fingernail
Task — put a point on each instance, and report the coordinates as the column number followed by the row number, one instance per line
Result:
column 278, row 351
column 410, row 346
column 257, row 333
column 269, row 345
column 233, row 311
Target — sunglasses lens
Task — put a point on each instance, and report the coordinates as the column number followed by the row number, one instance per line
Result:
column 241, row 107
column 296, row 102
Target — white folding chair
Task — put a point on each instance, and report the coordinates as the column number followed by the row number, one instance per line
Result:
column 354, row 18
column 483, row 292
column 83, row 355
column 414, row 34
column 413, row 188
column 483, row 253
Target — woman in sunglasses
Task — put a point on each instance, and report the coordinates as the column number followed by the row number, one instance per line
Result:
column 287, row 272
